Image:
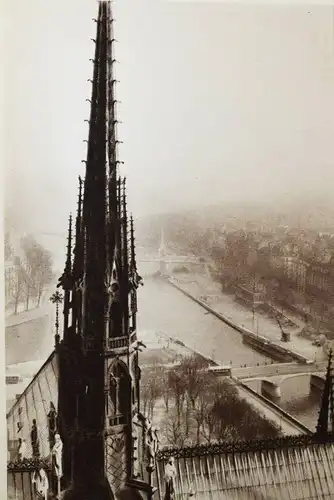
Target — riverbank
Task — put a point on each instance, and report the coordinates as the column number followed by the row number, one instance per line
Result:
column 209, row 292
column 162, row 349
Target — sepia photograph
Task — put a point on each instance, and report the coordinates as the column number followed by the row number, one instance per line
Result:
column 168, row 225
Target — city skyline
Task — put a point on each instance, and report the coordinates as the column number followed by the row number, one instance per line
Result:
column 193, row 133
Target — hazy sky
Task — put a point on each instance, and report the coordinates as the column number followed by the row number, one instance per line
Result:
column 219, row 102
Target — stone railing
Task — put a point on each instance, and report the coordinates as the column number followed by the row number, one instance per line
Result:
column 120, row 342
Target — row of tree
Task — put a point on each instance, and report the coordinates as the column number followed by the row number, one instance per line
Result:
column 31, row 273
column 197, row 408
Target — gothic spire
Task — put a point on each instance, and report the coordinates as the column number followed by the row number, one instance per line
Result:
column 88, row 475
column 325, row 424
column 99, row 307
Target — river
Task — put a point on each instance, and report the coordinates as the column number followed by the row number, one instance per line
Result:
column 164, row 309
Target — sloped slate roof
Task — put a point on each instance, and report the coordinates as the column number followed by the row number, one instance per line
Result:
column 287, row 472
column 34, row 403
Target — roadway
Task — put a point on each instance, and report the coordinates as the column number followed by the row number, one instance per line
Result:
column 275, row 369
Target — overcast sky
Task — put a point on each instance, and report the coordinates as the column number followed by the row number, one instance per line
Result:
column 219, row 102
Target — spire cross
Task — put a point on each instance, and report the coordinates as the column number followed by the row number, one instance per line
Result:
column 57, row 299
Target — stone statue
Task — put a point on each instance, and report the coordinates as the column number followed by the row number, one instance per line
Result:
column 34, row 440
column 40, row 479
column 52, row 424
column 147, row 428
column 152, row 446
column 115, row 311
column 155, row 439
column 170, row 475
column 22, row 450
column 57, row 456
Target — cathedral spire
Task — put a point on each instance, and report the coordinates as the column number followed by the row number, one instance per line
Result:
column 88, row 474
column 325, row 424
column 100, row 364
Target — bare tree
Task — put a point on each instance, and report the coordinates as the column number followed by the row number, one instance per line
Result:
column 145, row 397
column 18, row 284
column 203, row 413
column 166, row 390
column 39, row 268
column 191, row 370
column 177, row 429
column 200, row 410
column 178, row 389
column 152, row 389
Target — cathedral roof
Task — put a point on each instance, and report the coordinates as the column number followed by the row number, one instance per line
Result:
column 298, row 467
column 34, row 403
column 293, row 468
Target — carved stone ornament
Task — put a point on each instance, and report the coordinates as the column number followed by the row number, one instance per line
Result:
column 118, row 443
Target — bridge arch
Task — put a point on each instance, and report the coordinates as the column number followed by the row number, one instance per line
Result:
column 273, row 387
column 294, row 375
column 317, row 382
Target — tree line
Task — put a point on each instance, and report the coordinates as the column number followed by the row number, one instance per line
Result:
column 30, row 274
column 196, row 408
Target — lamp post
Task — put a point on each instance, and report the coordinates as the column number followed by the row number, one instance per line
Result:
column 57, row 299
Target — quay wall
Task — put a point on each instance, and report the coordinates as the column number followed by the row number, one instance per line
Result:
column 192, row 350
column 256, row 341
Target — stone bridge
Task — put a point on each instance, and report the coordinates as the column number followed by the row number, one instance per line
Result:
column 273, row 375
column 167, row 263
column 165, row 260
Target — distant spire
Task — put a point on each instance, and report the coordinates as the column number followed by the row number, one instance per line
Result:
column 326, row 417
column 162, row 248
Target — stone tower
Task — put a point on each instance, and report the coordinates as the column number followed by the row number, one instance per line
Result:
column 108, row 446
